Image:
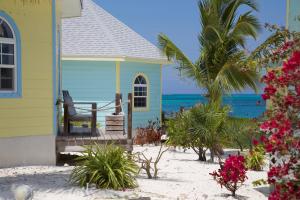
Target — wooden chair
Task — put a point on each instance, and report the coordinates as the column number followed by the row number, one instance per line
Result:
column 70, row 113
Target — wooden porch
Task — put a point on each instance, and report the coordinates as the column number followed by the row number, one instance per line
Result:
column 73, row 139
column 80, row 137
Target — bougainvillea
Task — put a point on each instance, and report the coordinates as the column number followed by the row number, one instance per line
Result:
column 232, row 174
column 282, row 127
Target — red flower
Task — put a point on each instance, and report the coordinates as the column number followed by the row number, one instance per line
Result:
column 232, row 174
column 289, row 100
column 281, row 125
column 255, row 142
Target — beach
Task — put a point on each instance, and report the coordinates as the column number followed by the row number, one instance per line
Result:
column 181, row 177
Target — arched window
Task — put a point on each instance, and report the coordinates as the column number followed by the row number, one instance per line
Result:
column 8, row 69
column 140, row 92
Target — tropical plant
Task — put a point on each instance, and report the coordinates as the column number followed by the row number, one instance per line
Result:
column 255, row 160
column 200, row 128
column 108, row 167
column 232, row 174
column 222, row 66
column 242, row 131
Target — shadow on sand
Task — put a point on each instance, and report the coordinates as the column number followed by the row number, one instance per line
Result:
column 56, row 182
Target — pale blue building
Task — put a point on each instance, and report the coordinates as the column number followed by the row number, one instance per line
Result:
column 101, row 56
column 293, row 15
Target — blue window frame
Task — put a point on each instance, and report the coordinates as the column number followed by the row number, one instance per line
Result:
column 10, row 58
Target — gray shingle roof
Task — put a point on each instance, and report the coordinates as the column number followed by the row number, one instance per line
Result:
column 98, row 34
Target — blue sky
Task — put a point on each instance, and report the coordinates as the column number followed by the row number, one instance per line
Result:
column 179, row 19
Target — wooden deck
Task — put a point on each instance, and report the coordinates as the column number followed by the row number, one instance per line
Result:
column 80, row 137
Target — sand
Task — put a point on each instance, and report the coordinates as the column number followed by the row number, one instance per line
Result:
column 181, row 176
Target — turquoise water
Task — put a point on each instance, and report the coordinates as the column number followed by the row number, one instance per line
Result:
column 242, row 105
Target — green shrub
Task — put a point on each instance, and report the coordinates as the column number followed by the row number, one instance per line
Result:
column 108, row 167
column 255, row 160
column 201, row 128
column 242, row 131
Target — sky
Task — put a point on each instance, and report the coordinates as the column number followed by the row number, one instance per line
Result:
column 179, row 20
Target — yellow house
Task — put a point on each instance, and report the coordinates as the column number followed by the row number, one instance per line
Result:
column 29, row 78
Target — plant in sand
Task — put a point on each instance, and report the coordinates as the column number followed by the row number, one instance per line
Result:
column 149, row 164
column 232, row 174
column 200, row 128
column 108, row 167
column 241, row 131
column 255, row 160
column 149, row 134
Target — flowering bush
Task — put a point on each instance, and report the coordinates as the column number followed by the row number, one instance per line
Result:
column 282, row 126
column 232, row 174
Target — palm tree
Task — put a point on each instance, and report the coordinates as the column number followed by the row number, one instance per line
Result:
column 208, row 124
column 221, row 66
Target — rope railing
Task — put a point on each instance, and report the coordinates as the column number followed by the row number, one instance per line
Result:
column 99, row 109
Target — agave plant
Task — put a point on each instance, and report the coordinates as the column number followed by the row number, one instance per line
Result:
column 222, row 66
column 108, row 167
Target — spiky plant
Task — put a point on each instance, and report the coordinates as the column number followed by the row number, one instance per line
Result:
column 108, row 167
column 221, row 66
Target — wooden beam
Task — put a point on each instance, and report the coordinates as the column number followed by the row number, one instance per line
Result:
column 129, row 123
column 66, row 119
column 94, row 118
column 118, row 103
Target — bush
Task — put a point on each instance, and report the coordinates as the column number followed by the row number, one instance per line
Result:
column 255, row 160
column 242, row 131
column 150, row 134
column 200, row 128
column 108, row 167
column 232, row 174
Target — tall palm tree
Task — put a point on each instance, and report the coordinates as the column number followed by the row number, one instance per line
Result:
column 221, row 66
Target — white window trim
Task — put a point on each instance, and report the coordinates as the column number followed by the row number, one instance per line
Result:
column 14, row 42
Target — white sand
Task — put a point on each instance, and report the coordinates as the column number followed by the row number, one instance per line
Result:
column 180, row 177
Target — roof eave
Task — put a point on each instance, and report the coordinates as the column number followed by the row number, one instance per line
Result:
column 161, row 61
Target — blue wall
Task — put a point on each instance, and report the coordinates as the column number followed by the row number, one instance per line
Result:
column 153, row 72
column 294, row 15
column 90, row 81
column 96, row 81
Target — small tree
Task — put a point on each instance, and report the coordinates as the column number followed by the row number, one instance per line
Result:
column 242, row 131
column 232, row 174
column 150, row 165
column 201, row 128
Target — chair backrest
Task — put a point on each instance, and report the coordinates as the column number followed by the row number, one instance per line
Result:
column 69, row 101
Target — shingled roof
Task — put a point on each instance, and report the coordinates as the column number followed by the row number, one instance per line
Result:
column 98, row 34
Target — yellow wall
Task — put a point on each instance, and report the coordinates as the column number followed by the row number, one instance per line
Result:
column 32, row 114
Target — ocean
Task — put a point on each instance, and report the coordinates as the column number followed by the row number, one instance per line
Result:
column 242, row 105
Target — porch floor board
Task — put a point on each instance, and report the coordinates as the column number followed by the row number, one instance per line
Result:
column 80, row 137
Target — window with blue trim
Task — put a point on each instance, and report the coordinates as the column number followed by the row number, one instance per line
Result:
column 8, row 65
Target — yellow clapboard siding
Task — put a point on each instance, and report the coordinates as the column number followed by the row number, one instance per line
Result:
column 40, row 129
column 17, row 114
column 25, row 122
column 28, row 103
column 33, row 113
